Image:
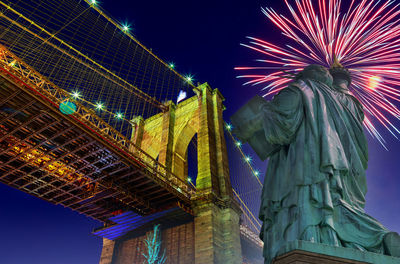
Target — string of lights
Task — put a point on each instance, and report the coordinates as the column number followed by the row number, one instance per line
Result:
column 247, row 194
column 246, row 158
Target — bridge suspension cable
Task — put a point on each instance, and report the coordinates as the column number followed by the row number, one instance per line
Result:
column 97, row 8
column 246, row 184
column 90, row 55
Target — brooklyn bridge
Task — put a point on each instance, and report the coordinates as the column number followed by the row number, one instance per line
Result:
column 89, row 119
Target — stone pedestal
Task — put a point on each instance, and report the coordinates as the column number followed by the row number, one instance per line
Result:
column 304, row 252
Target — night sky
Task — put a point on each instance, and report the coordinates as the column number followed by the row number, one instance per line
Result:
column 202, row 38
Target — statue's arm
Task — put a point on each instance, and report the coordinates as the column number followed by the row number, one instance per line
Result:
column 266, row 126
column 248, row 127
column 283, row 116
column 247, row 120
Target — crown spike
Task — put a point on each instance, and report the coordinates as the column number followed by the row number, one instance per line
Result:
column 336, row 63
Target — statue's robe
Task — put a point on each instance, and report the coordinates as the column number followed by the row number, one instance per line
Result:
column 315, row 184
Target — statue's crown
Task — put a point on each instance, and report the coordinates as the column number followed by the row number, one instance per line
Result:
column 338, row 71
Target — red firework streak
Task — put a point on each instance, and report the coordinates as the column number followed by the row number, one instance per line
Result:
column 364, row 35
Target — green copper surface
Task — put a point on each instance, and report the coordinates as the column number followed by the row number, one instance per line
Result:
column 315, row 185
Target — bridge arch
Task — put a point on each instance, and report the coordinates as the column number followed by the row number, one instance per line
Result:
column 168, row 135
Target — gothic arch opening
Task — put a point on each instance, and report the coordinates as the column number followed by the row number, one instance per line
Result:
column 185, row 153
column 191, row 157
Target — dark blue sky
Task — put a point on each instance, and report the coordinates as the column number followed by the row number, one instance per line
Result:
column 202, row 38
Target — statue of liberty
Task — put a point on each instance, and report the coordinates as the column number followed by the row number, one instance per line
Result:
column 315, row 184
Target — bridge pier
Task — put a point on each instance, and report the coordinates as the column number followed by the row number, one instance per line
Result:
column 107, row 252
column 212, row 236
column 217, row 234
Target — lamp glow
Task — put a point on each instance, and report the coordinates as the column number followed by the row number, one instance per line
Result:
column 172, row 65
column 99, row 106
column 126, row 28
column 119, row 115
column 189, row 78
column 76, row 95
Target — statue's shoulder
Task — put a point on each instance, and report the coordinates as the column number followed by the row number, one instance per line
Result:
column 300, row 86
column 293, row 87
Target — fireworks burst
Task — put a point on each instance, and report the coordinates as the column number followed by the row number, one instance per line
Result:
column 365, row 38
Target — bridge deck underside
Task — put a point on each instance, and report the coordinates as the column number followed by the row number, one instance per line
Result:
column 45, row 154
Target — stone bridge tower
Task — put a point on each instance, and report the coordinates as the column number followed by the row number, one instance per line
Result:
column 213, row 234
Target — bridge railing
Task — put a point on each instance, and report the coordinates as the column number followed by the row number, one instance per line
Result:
column 54, row 95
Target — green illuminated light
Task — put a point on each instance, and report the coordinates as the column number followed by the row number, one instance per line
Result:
column 256, row 173
column 171, row 65
column 99, row 106
column 93, row 2
column 247, row 159
column 119, row 115
column 189, row 78
column 12, row 64
column 189, row 180
column 126, row 28
column 228, row 127
column 238, row 143
column 76, row 94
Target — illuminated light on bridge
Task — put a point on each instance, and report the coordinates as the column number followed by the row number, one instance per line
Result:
column 39, row 159
column 126, row 28
column 99, row 106
column 247, row 159
column 119, row 115
column 238, row 143
column 67, row 107
column 76, row 94
column 189, row 78
column 128, row 221
column 172, row 65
